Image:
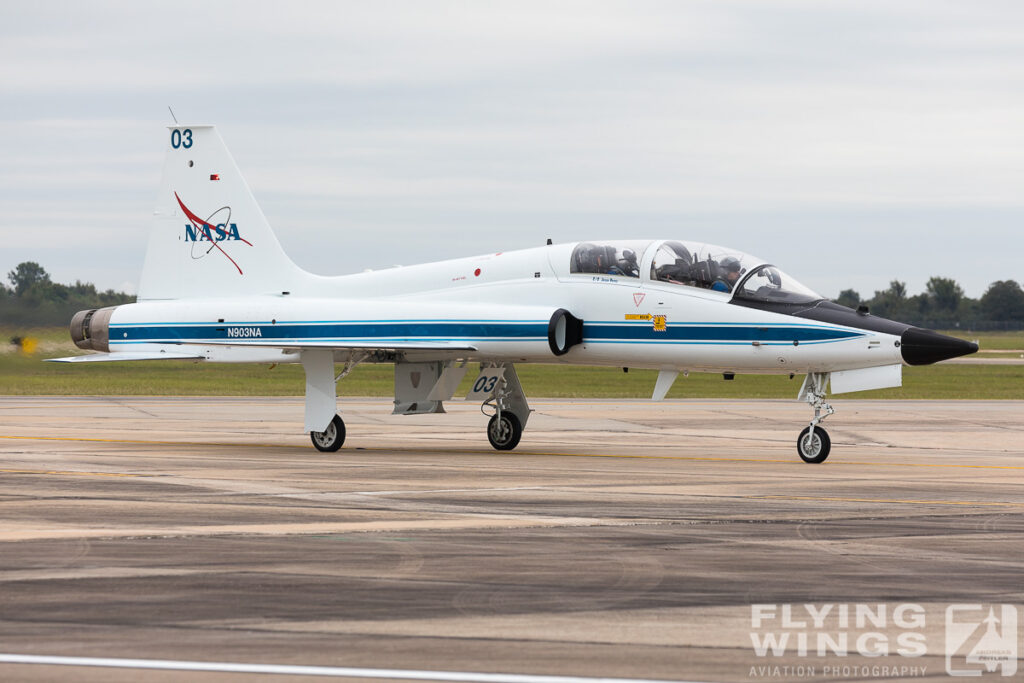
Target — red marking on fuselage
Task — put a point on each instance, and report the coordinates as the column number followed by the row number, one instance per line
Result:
column 208, row 230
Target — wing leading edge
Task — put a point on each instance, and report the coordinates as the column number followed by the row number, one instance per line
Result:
column 127, row 355
column 269, row 344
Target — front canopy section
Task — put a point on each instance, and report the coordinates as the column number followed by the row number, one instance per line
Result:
column 767, row 283
column 725, row 270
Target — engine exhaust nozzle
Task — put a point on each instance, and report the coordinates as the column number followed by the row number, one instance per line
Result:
column 90, row 329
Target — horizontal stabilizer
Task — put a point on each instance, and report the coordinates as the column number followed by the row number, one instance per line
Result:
column 126, row 355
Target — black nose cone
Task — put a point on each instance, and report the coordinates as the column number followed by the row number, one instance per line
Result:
column 921, row 347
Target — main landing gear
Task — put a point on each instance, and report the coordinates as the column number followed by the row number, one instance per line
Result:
column 332, row 438
column 813, row 444
column 321, row 397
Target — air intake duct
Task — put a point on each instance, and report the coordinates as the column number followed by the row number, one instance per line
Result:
column 564, row 332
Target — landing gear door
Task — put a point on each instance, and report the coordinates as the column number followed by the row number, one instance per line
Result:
column 499, row 386
column 413, row 385
column 485, row 384
column 446, row 385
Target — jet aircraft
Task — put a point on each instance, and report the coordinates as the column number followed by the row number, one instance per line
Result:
column 216, row 286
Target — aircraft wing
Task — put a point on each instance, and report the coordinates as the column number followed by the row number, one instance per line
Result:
column 295, row 346
column 283, row 345
column 127, row 355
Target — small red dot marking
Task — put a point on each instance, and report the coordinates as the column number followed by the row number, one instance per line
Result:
column 477, row 272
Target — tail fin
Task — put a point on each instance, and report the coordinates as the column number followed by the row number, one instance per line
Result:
column 209, row 237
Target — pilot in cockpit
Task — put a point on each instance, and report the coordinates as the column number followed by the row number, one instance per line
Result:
column 728, row 274
column 627, row 265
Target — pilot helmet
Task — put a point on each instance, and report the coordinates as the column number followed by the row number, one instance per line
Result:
column 730, row 264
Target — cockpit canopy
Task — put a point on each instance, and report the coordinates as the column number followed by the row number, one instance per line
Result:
column 769, row 284
column 607, row 258
column 692, row 264
column 700, row 265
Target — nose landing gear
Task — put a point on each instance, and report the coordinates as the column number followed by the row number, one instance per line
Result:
column 503, row 394
column 813, row 447
column 504, row 431
column 813, row 444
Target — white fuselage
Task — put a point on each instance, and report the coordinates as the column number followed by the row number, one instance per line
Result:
column 499, row 305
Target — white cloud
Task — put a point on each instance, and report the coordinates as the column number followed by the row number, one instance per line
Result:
column 802, row 129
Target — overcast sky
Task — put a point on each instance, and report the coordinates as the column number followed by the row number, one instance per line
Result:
column 848, row 142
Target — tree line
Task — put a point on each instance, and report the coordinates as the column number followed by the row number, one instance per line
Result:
column 943, row 305
column 34, row 299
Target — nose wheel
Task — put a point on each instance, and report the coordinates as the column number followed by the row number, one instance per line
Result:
column 813, row 446
column 504, row 431
column 331, row 438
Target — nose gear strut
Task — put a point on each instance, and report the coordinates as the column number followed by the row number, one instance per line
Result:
column 813, row 444
column 505, row 428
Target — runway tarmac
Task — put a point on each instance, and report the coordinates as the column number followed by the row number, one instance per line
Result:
column 621, row 539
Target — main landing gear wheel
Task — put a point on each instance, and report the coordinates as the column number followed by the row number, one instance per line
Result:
column 504, row 431
column 331, row 438
column 813, row 448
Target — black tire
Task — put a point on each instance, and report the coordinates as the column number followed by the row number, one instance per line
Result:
column 818, row 450
column 331, row 438
column 504, row 435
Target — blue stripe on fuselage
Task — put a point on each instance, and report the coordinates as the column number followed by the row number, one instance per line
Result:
column 724, row 333
column 367, row 331
column 716, row 333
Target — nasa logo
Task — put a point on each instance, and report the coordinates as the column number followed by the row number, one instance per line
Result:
column 219, row 233
column 198, row 230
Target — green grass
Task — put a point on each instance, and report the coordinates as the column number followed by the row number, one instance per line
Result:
column 22, row 374
column 30, row 376
column 991, row 341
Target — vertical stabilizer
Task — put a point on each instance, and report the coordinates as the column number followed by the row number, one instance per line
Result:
column 209, row 237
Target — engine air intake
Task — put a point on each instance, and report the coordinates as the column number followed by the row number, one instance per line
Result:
column 564, row 332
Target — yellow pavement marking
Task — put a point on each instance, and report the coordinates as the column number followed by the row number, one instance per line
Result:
column 793, row 461
column 884, row 500
column 435, row 451
column 77, row 474
column 144, row 442
column 696, row 458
